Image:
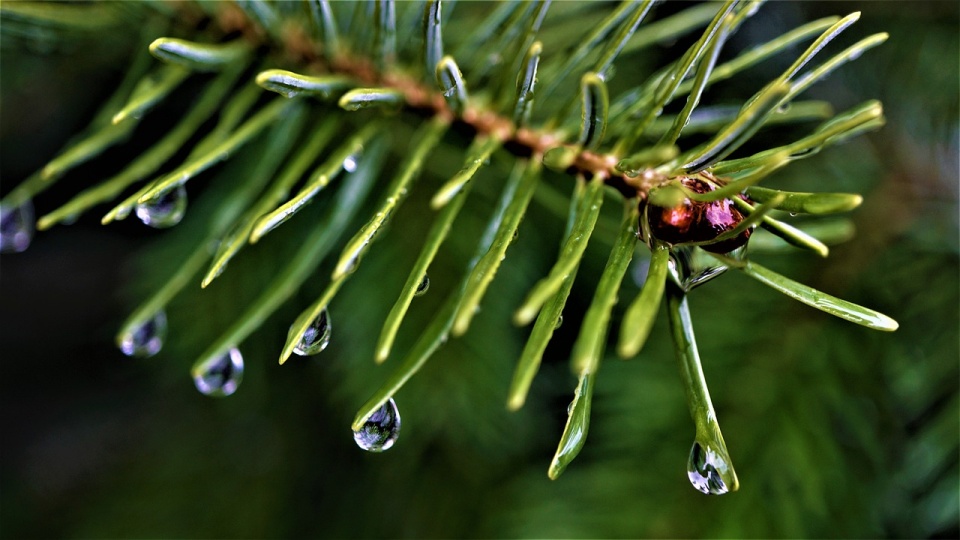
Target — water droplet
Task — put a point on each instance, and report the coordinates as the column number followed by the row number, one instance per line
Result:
column 569, row 407
column 691, row 267
column 147, row 339
column 381, row 430
column 165, row 211
column 316, row 337
column 16, row 228
column 709, row 472
column 559, row 322
column 423, row 287
column 350, row 162
column 223, row 377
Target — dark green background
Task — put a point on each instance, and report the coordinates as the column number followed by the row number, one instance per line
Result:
column 835, row 430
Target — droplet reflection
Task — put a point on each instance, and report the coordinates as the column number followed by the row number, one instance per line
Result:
column 223, row 376
column 423, row 286
column 16, row 227
column 707, row 469
column 147, row 339
column 381, row 430
column 165, row 211
column 316, row 337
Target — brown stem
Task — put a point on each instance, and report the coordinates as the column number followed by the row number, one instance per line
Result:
column 428, row 101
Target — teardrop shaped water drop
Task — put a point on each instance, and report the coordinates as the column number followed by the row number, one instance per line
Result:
column 559, row 322
column 423, row 286
column 223, row 377
column 145, row 340
column 316, row 337
column 709, row 472
column 381, row 430
column 16, row 227
column 165, row 211
column 691, row 267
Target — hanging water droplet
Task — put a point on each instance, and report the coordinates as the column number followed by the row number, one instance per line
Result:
column 350, row 162
column 709, row 472
column 559, row 322
column 691, row 267
column 223, row 377
column 423, row 287
column 316, row 337
column 145, row 340
column 381, row 430
column 165, row 211
column 16, row 227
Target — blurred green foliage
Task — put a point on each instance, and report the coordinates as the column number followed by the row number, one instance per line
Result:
column 837, row 431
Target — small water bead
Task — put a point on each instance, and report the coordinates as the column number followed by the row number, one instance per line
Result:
column 350, row 162
column 223, row 377
column 16, row 227
column 559, row 322
column 147, row 339
column 707, row 470
column 165, row 211
column 423, row 286
column 316, row 337
column 381, row 430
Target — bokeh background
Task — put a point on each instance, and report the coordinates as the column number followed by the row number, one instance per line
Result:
column 835, row 430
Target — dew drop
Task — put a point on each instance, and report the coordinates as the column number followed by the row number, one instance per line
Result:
column 316, row 337
column 165, row 211
column 381, row 430
column 147, row 339
column 691, row 267
column 559, row 322
column 350, row 162
column 16, row 228
column 223, row 377
column 707, row 469
column 423, row 287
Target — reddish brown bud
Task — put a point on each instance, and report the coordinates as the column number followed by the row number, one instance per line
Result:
column 694, row 221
